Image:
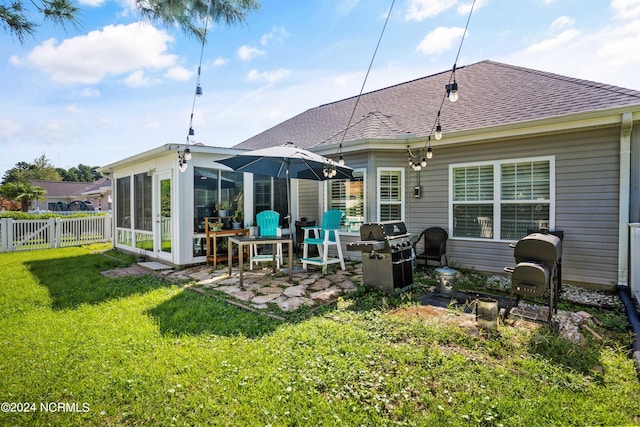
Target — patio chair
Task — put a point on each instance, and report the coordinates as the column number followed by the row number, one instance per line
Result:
column 268, row 223
column 323, row 236
column 431, row 245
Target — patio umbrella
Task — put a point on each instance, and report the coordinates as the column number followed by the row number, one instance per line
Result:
column 286, row 161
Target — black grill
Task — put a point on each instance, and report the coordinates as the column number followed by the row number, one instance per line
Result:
column 538, row 269
column 387, row 257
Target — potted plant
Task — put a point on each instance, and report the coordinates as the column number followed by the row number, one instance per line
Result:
column 236, row 220
column 216, row 226
column 223, row 209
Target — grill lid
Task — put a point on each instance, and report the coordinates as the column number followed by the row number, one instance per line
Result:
column 538, row 247
column 382, row 230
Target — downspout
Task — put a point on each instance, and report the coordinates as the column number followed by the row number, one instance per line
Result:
column 624, row 194
column 632, row 314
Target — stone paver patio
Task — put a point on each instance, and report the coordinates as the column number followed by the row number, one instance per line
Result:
column 261, row 287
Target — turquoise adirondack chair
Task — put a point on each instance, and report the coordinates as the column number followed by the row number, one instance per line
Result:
column 324, row 236
column 269, row 225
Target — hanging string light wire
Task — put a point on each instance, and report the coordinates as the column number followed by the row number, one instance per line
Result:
column 451, row 89
column 186, row 153
column 329, row 168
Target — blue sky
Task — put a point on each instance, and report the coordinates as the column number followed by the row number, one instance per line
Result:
column 118, row 86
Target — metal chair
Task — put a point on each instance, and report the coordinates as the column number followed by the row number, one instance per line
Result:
column 324, row 236
column 269, row 225
column 434, row 245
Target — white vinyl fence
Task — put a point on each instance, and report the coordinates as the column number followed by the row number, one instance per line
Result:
column 27, row 234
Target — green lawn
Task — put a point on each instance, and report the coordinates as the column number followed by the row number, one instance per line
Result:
column 140, row 351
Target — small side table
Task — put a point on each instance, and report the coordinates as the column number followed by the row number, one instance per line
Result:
column 243, row 241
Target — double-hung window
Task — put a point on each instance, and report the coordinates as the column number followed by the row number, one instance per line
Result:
column 502, row 200
column 390, row 194
column 348, row 195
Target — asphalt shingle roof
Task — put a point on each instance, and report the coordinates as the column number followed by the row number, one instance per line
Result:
column 491, row 94
column 63, row 188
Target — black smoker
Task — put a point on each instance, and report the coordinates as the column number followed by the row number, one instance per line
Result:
column 387, row 257
column 538, row 269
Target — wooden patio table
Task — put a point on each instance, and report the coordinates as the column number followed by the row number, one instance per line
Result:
column 242, row 241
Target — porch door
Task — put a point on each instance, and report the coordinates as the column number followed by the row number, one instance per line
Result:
column 162, row 247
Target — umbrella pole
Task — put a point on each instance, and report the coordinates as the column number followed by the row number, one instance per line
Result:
column 289, row 200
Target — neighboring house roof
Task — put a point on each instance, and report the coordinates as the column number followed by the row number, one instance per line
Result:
column 101, row 186
column 491, row 94
column 66, row 189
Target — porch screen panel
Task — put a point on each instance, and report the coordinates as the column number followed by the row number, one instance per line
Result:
column 205, row 195
column 232, row 187
column 123, row 202
column 525, row 198
column 143, row 216
column 390, row 187
column 279, row 187
column 261, row 193
column 270, row 194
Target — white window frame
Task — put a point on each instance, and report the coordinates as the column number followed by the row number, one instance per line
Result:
column 497, row 186
column 403, row 196
column 327, row 191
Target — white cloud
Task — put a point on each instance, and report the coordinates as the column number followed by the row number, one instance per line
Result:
column 178, row 73
column 465, row 8
column 74, row 108
column 268, row 76
column 621, row 47
column 86, row 93
column 346, row 6
column 277, row 34
column 92, row 3
column 137, row 79
column 247, row 53
column 9, row 128
column 419, row 10
column 112, row 51
column 562, row 22
column 220, row 61
column 440, row 40
column 626, row 9
column 553, row 43
column 608, row 55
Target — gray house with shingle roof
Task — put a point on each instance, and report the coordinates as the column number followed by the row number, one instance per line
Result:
column 64, row 192
column 521, row 149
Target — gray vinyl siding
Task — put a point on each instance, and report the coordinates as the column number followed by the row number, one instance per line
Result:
column 586, row 209
column 587, row 182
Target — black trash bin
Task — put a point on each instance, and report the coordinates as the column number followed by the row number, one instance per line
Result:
column 303, row 222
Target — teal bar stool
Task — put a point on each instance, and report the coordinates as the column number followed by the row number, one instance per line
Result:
column 324, row 236
column 269, row 226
